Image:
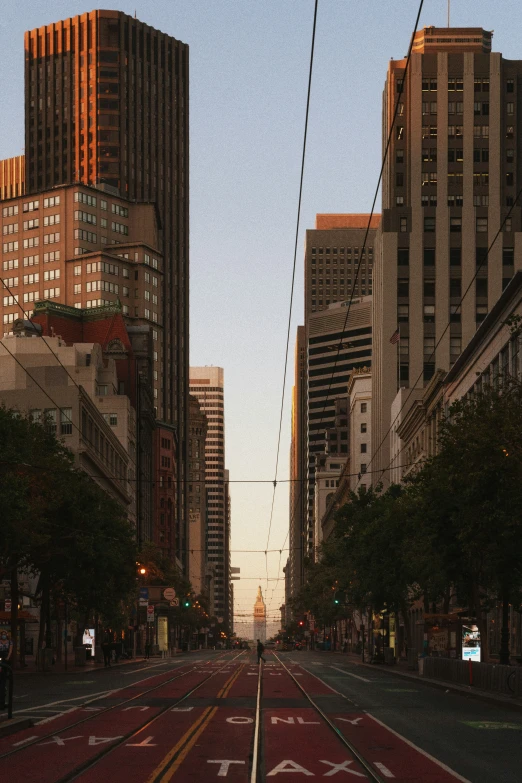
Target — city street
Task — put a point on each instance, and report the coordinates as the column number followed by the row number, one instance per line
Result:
column 208, row 714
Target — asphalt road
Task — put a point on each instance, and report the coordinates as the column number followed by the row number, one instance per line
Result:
column 42, row 695
column 479, row 740
column 128, row 724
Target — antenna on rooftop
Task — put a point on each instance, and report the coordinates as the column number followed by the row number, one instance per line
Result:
column 449, row 9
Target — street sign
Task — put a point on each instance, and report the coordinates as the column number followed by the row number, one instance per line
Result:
column 150, row 614
column 169, row 594
column 8, row 604
column 144, row 596
column 174, row 602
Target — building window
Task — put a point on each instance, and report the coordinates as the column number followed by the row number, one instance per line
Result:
column 363, row 426
column 364, row 407
column 403, row 286
column 456, row 224
column 403, row 313
column 482, row 225
column 429, row 225
column 429, row 256
column 403, row 225
column 428, row 371
column 403, row 256
column 510, row 108
column 66, row 421
column 429, row 314
column 455, row 287
column 399, row 201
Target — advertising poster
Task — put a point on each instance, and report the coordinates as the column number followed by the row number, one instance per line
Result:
column 470, row 643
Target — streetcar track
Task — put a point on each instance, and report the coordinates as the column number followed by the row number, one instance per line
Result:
column 105, row 710
column 366, row 765
column 90, row 763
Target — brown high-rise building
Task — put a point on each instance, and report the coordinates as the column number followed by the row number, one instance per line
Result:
column 106, row 106
column 452, row 174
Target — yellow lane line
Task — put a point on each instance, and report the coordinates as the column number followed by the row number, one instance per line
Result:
column 190, row 744
column 189, row 737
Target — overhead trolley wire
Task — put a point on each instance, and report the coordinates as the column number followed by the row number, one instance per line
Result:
column 361, row 255
column 303, row 156
column 479, row 266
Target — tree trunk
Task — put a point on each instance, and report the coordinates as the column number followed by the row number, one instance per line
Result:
column 44, row 584
column 504, row 632
column 14, row 615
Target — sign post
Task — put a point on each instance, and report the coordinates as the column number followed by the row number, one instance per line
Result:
column 150, row 613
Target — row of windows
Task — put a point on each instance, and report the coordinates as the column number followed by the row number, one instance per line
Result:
column 342, row 250
column 455, row 256
column 456, row 83
column 51, row 417
column 481, row 310
column 455, row 287
column 456, row 155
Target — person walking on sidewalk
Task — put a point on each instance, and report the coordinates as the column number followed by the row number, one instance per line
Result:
column 260, row 651
column 106, row 649
column 6, row 651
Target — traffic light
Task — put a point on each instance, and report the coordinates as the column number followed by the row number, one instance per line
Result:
column 302, row 622
column 337, row 597
column 187, row 603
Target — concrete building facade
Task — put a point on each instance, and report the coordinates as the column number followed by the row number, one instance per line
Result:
column 106, row 111
column 95, row 422
column 207, row 386
column 451, row 176
column 197, row 497
column 339, row 341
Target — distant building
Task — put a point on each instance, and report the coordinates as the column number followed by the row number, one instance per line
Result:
column 197, row 497
column 339, row 341
column 207, row 386
column 260, row 617
column 87, row 414
column 129, row 349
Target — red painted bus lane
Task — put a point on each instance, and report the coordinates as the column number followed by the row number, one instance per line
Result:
column 392, row 756
column 299, row 741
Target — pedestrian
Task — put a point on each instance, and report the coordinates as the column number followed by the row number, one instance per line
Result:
column 106, row 649
column 260, row 651
column 147, row 650
column 6, row 651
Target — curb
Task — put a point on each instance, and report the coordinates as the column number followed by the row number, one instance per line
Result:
column 8, row 727
column 463, row 690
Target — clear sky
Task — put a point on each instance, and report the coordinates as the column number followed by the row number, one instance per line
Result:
column 248, row 77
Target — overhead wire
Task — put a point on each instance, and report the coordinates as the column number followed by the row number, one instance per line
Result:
column 458, row 307
column 303, row 157
column 375, row 196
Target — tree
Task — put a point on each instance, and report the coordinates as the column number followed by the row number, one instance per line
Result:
column 477, row 477
column 58, row 523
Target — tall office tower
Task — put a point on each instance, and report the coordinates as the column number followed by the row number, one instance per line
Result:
column 229, row 587
column 197, row 496
column 332, row 253
column 451, row 176
column 294, row 574
column 336, row 345
column 207, row 385
column 260, row 617
column 106, row 104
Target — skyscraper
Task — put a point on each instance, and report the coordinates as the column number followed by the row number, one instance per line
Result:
column 106, row 106
column 207, row 386
column 451, row 177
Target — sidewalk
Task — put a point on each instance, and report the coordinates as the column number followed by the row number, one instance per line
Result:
column 90, row 666
column 400, row 669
